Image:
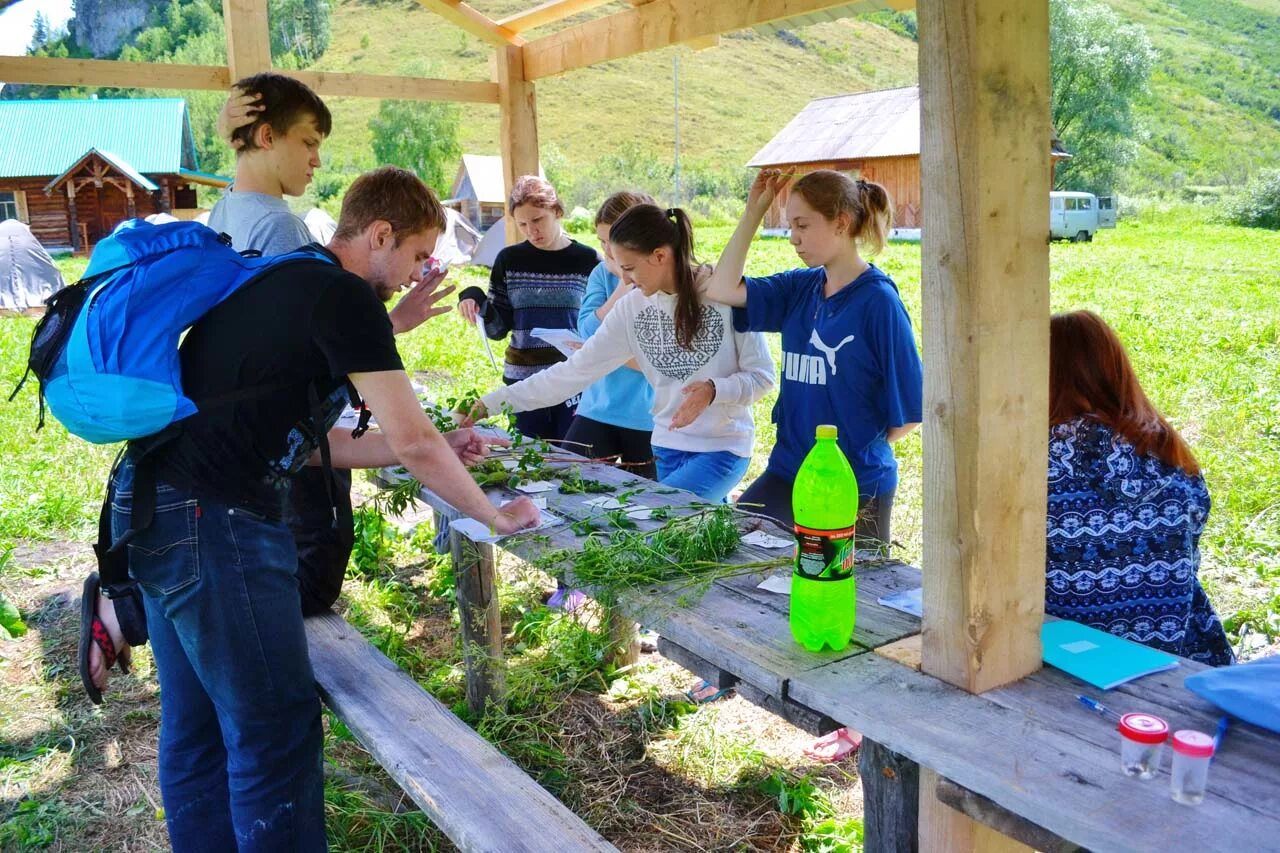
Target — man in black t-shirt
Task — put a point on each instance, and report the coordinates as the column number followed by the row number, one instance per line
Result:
column 240, row 734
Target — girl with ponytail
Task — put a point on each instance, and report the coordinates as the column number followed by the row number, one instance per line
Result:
column 705, row 375
column 849, row 355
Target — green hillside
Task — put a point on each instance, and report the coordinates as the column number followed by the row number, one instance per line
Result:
column 1213, row 116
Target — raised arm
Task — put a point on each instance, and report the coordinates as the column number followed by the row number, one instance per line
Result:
column 414, row 440
column 725, row 285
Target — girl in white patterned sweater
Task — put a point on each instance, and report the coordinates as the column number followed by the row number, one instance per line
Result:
column 705, row 375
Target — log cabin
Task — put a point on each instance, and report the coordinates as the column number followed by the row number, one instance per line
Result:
column 74, row 169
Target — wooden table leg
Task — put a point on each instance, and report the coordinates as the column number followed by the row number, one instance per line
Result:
column 624, row 638
column 481, row 619
column 890, row 799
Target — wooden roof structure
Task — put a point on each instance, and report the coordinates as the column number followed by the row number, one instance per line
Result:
column 984, row 83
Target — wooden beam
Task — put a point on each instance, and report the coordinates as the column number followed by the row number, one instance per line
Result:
column 248, row 37
column 518, row 130
column 547, row 13
column 944, row 828
column 43, row 71
column 661, row 23
column 984, row 84
column 339, row 84
column 467, row 18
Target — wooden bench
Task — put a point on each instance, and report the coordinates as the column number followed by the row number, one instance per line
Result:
column 475, row 794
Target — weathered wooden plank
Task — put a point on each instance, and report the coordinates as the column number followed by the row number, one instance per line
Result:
column 1025, row 758
column 474, row 22
column 248, row 37
column 547, row 13
column 987, row 813
column 46, row 71
column 475, row 794
column 660, row 23
column 518, row 120
column 890, row 798
column 984, row 84
column 342, row 84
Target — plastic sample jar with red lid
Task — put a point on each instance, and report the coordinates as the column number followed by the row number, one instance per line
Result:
column 1142, row 738
column 1192, row 752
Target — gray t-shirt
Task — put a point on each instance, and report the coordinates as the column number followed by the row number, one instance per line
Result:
column 257, row 221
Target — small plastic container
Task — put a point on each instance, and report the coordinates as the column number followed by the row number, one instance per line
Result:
column 1142, row 738
column 1192, row 752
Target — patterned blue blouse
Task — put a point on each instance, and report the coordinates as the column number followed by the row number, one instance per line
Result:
column 1123, row 551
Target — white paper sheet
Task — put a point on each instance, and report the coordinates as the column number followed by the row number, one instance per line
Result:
column 780, row 584
column 908, row 601
column 764, row 540
column 605, row 502
column 488, row 350
column 558, row 338
column 536, row 487
column 478, row 531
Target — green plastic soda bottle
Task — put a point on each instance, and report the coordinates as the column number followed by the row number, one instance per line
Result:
column 824, row 500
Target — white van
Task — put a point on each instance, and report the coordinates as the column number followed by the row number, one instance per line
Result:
column 1076, row 216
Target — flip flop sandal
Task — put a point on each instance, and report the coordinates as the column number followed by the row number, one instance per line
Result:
column 835, row 746
column 93, row 631
column 699, row 696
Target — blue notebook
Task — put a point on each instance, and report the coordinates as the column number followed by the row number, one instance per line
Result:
column 1104, row 660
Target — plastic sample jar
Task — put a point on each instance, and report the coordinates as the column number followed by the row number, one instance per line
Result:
column 1192, row 752
column 1142, row 738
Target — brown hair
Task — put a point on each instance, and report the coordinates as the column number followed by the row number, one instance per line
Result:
column 867, row 204
column 284, row 102
column 393, row 195
column 646, row 227
column 619, row 203
column 530, row 189
column 1090, row 374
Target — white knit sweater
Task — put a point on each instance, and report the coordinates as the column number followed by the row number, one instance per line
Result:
column 644, row 328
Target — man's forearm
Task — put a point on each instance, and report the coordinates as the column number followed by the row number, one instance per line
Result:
column 433, row 463
column 368, row 451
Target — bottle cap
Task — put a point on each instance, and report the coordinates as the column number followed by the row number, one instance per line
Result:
column 827, row 431
column 1193, row 743
column 1143, row 728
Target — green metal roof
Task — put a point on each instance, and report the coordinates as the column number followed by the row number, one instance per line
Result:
column 44, row 138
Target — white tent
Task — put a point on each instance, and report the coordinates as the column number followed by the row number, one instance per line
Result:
column 27, row 274
column 321, row 225
column 458, row 241
column 493, row 242
column 162, row 218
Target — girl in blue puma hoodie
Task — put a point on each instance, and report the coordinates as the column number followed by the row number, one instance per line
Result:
column 849, row 357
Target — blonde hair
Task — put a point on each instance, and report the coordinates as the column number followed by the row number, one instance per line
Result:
column 530, row 189
column 619, row 203
column 867, row 204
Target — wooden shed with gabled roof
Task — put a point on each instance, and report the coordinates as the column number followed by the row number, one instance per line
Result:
column 870, row 135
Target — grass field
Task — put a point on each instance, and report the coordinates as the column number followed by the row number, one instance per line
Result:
column 1197, row 303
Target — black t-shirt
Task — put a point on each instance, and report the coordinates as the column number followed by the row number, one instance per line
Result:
column 307, row 322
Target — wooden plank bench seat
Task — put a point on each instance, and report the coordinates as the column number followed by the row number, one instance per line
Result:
column 474, row 793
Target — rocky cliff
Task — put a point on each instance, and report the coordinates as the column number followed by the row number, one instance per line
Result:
column 103, row 26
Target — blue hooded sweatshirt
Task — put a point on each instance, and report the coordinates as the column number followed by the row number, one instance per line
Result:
column 848, row 360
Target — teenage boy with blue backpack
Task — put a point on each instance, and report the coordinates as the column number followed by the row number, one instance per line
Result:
column 240, row 734
column 276, row 126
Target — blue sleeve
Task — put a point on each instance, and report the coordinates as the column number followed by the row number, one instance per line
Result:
column 597, row 293
column 769, row 300
column 894, row 345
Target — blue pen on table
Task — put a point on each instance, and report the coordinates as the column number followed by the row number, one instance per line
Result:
column 1217, row 735
column 1098, row 707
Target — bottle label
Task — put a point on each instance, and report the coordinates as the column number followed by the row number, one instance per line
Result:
column 824, row 554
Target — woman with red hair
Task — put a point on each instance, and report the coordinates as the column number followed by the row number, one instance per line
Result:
column 1127, row 503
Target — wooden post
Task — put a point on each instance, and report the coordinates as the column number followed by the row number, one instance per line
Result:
column 624, row 638
column 518, row 111
column 984, row 83
column 944, row 828
column 481, row 620
column 248, row 37
column 131, row 206
column 890, row 794
column 72, row 218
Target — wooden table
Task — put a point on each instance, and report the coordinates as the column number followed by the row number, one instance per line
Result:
column 1026, row 759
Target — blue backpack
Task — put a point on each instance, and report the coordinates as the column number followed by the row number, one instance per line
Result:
column 106, row 351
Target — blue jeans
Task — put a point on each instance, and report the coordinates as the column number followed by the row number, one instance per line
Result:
column 709, row 475
column 240, row 735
